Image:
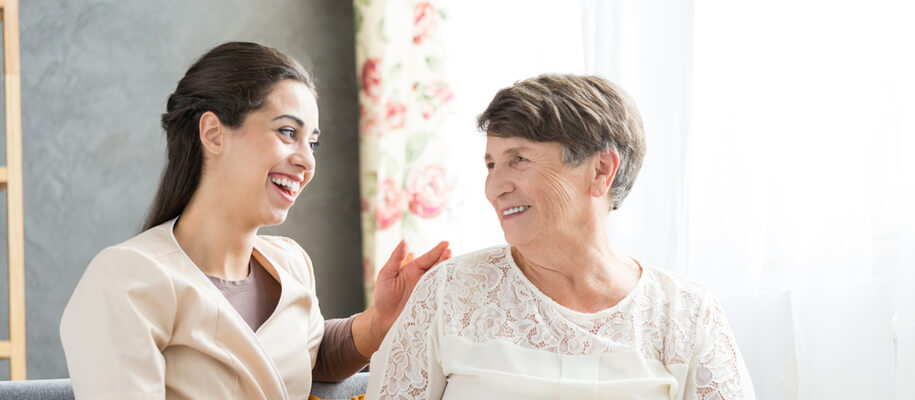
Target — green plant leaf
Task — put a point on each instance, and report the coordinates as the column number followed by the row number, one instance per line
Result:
column 358, row 19
column 416, row 144
column 433, row 63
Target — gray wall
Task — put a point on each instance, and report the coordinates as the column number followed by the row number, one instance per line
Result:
column 95, row 77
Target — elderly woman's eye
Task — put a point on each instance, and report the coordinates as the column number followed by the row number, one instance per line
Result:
column 490, row 165
column 288, row 132
column 516, row 160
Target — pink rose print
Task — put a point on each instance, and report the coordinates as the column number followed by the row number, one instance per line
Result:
column 396, row 115
column 442, row 92
column 436, row 95
column 427, row 191
column 390, row 204
column 425, row 21
column 368, row 121
column 428, row 109
column 371, row 78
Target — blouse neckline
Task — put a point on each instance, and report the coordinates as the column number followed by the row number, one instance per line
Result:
column 639, row 287
column 261, row 258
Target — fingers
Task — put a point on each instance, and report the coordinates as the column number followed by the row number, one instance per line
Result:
column 445, row 255
column 401, row 257
column 433, row 256
column 395, row 261
column 408, row 259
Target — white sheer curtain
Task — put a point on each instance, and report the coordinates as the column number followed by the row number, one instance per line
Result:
column 778, row 175
column 646, row 47
column 779, row 171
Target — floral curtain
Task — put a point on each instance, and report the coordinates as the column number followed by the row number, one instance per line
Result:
column 406, row 184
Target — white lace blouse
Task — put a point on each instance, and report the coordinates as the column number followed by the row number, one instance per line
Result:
column 476, row 328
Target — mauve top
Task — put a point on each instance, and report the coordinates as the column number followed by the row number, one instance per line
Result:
column 256, row 296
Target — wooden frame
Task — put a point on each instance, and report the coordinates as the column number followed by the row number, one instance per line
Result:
column 11, row 180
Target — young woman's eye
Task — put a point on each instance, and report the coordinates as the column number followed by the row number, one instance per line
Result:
column 490, row 165
column 288, row 132
column 314, row 146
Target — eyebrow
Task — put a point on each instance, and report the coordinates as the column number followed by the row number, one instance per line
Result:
column 292, row 117
column 299, row 122
column 515, row 150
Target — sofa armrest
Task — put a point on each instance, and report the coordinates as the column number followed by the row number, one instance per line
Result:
column 61, row 389
column 346, row 389
column 37, row 389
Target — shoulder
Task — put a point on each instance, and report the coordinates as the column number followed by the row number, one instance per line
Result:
column 679, row 293
column 687, row 311
column 482, row 267
column 487, row 256
column 147, row 255
column 130, row 285
column 154, row 242
column 484, row 259
column 467, row 278
column 139, row 268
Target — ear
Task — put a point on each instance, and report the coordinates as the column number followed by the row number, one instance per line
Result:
column 212, row 133
column 606, row 163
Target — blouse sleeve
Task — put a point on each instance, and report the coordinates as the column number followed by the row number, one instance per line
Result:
column 338, row 357
column 717, row 370
column 115, row 326
column 407, row 365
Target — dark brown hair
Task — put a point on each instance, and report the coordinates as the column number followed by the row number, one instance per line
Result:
column 231, row 80
column 584, row 114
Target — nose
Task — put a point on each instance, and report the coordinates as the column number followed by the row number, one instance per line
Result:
column 303, row 157
column 498, row 184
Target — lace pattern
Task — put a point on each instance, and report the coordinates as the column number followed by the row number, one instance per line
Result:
column 483, row 296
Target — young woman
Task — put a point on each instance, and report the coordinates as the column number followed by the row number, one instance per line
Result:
column 199, row 305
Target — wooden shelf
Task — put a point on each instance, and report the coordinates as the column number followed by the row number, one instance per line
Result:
column 11, row 181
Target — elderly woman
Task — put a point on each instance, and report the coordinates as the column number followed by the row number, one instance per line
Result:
column 559, row 313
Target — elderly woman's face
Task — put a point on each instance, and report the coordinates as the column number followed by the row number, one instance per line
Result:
column 536, row 197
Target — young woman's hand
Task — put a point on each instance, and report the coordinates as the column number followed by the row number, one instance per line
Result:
column 392, row 290
column 398, row 277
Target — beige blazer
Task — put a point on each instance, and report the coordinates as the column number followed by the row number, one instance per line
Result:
column 145, row 323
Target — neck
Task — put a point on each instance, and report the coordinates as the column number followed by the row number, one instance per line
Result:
column 576, row 258
column 214, row 239
column 579, row 269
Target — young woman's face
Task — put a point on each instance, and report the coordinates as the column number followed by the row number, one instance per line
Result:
column 270, row 158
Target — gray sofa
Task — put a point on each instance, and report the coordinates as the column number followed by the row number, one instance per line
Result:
column 60, row 389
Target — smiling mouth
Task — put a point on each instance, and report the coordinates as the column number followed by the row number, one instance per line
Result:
column 515, row 210
column 289, row 187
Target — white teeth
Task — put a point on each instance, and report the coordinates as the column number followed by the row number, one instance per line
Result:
column 515, row 210
column 292, row 186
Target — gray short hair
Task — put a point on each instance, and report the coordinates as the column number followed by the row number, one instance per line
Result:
column 584, row 114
